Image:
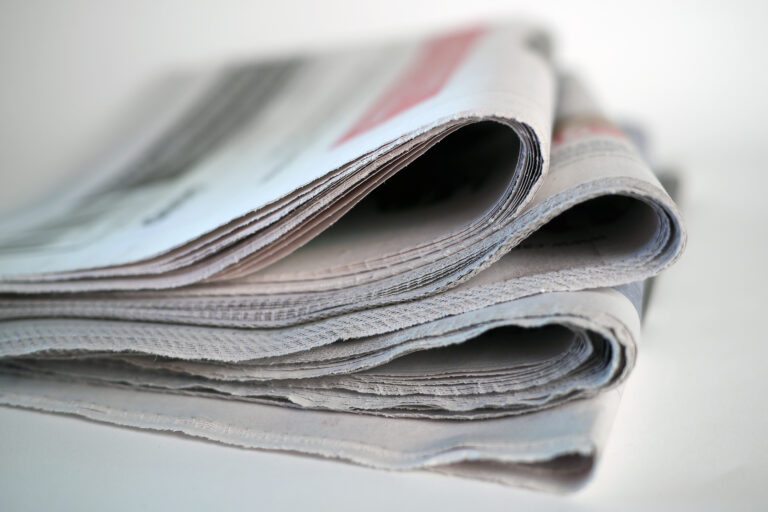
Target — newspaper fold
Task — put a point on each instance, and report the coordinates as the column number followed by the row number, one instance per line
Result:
column 551, row 449
column 600, row 218
column 172, row 215
column 420, row 256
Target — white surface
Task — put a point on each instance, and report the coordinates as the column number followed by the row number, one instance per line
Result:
column 690, row 432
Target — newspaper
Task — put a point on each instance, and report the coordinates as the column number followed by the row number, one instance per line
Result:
column 550, row 448
column 593, row 166
column 427, row 255
column 289, row 169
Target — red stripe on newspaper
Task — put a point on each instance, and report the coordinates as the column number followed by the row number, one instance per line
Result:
column 426, row 76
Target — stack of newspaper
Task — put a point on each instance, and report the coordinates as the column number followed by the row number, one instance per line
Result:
column 424, row 255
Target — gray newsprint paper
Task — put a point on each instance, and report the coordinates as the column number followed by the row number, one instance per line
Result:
column 534, row 379
column 425, row 255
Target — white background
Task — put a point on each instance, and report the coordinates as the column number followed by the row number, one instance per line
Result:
column 691, row 429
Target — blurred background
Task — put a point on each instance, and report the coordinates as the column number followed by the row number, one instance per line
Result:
column 690, row 430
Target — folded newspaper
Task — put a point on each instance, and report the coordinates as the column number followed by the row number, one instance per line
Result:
column 425, row 255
